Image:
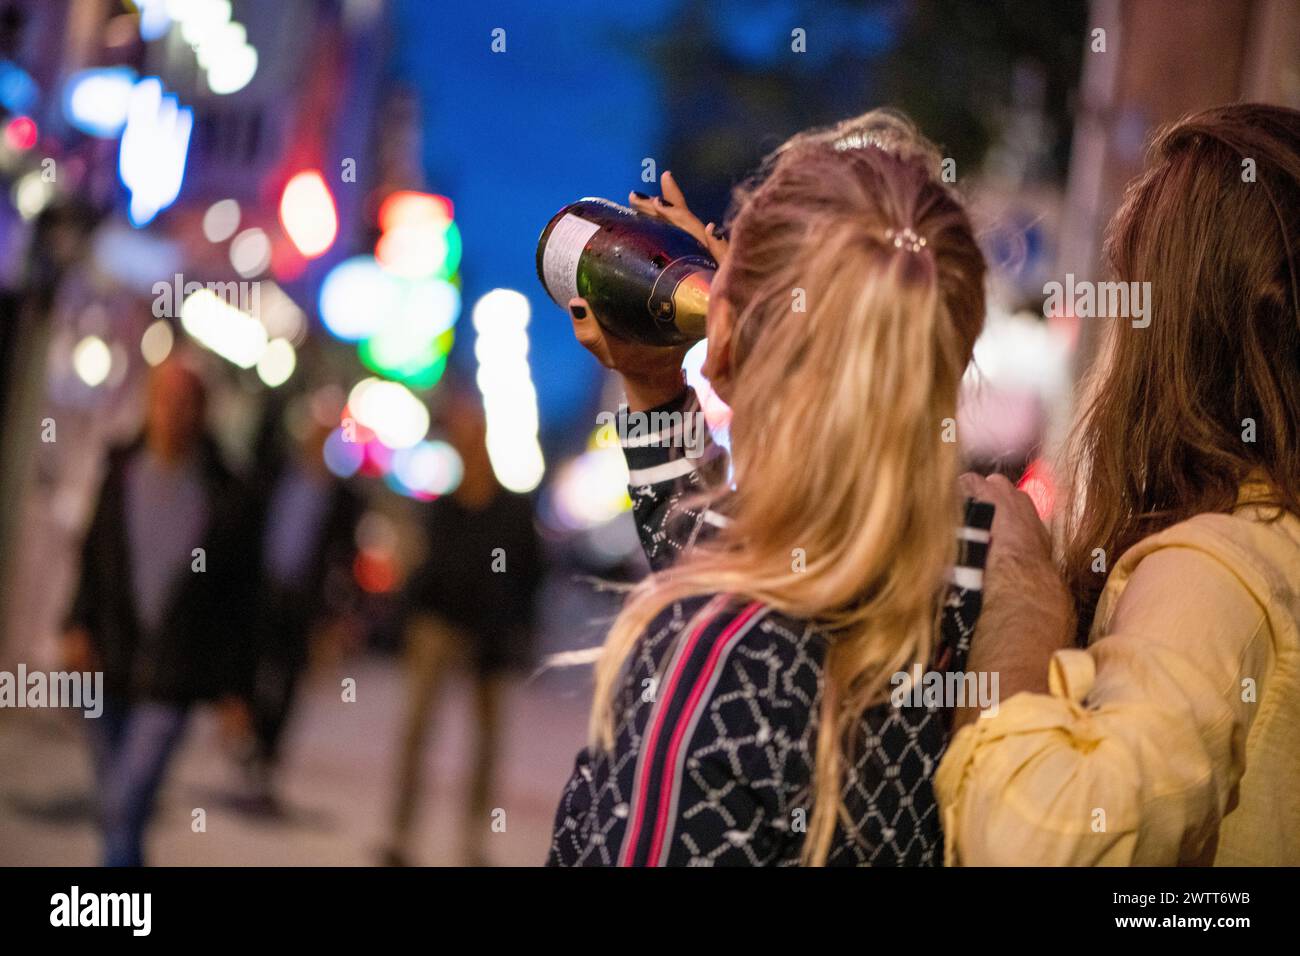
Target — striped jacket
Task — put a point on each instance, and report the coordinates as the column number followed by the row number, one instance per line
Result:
column 715, row 739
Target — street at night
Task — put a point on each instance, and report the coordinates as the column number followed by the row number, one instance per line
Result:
column 443, row 444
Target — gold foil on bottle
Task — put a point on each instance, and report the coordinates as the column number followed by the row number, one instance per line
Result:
column 691, row 303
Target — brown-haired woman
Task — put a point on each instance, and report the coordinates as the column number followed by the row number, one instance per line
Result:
column 1172, row 737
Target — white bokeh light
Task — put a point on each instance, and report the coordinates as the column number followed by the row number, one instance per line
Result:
column 509, row 398
column 156, row 343
column 250, row 252
column 221, row 220
column 92, row 360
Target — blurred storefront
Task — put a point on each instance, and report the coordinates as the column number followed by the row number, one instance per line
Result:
column 149, row 146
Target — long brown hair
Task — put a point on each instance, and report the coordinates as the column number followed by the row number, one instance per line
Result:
column 1214, row 226
column 838, row 416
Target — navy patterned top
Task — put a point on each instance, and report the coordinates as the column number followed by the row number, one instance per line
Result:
column 715, row 739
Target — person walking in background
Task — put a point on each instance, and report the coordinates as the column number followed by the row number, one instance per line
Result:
column 471, row 605
column 158, row 603
column 302, row 532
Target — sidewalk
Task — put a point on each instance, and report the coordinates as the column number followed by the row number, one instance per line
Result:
column 336, row 786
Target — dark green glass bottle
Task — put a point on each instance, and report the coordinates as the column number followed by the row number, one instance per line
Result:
column 647, row 281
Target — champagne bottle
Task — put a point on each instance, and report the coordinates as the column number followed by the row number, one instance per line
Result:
column 646, row 280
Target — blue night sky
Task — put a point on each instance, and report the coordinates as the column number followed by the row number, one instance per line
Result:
column 566, row 111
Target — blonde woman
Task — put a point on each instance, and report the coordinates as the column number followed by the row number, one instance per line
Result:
column 741, row 711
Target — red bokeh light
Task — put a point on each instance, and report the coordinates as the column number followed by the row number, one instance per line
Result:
column 375, row 572
column 21, row 132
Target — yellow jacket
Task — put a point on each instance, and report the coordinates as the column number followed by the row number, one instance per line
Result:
column 1174, row 738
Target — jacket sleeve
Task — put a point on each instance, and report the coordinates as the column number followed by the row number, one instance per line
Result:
column 965, row 595
column 90, row 567
column 1135, row 754
column 671, row 459
column 333, row 581
column 235, row 566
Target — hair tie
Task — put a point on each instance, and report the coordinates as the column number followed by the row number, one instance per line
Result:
column 905, row 238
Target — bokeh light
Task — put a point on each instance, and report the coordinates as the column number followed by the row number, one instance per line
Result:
column 389, row 409
column 156, row 343
column 250, row 252
column 426, row 470
column 31, row 193
column 355, row 297
column 221, row 220
column 591, row 489
column 308, row 215
column 505, row 381
column 154, row 148
column 342, row 457
column 280, row 314
column 277, row 363
column 21, row 133
column 222, row 328
column 412, row 342
column 92, row 360
column 96, row 101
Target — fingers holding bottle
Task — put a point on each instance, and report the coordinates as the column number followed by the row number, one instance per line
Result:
column 671, row 207
column 588, row 331
column 652, row 374
column 716, row 240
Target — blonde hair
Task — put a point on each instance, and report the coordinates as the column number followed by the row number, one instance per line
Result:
column 838, row 411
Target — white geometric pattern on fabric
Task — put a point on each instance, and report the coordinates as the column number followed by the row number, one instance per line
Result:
column 758, row 735
column 748, row 762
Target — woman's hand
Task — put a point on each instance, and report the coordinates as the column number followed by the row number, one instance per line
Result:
column 671, row 208
column 1027, row 613
column 652, row 374
column 1018, row 535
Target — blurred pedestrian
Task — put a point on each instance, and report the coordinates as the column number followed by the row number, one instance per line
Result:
column 158, row 601
column 470, row 607
column 303, row 534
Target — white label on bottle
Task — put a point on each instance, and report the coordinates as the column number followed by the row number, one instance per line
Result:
column 560, row 259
